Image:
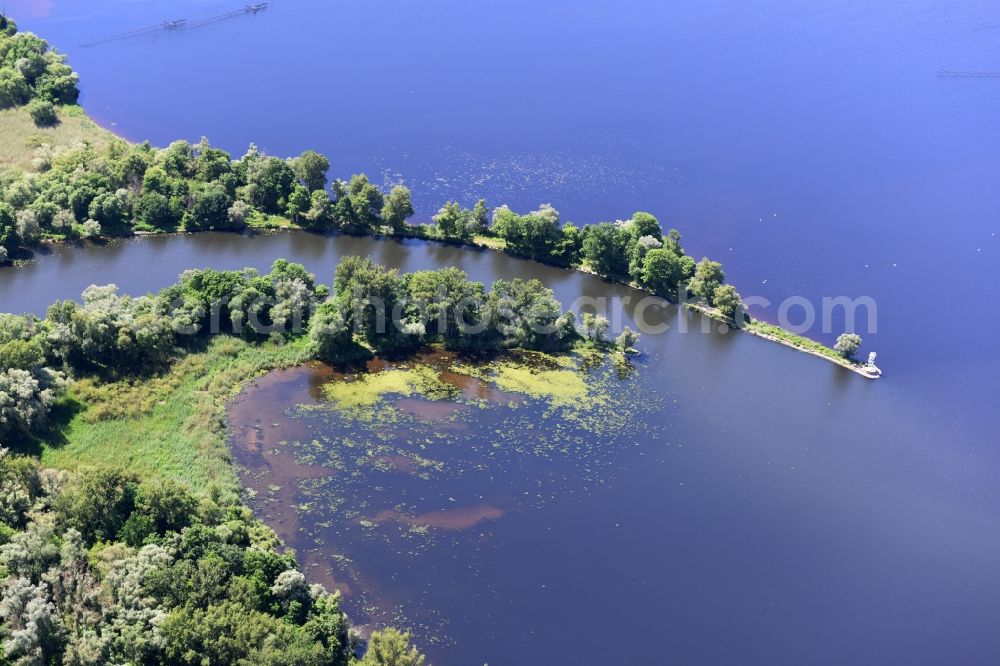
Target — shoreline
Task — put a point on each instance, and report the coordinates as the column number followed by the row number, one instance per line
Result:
column 273, row 223
column 789, row 339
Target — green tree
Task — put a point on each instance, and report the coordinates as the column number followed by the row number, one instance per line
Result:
column 14, row 88
column 534, row 235
column 450, row 301
column 391, row 648
column 21, row 354
column 226, row 634
column 358, row 204
column 847, row 344
column 595, row 327
column 373, row 296
column 450, row 220
column 8, row 226
column 160, row 507
column 153, row 209
column 637, row 251
column 177, row 159
column 269, row 181
column 644, row 224
column 33, row 623
column 321, row 210
column 330, row 335
column 605, row 249
column 155, row 179
column 310, row 168
column 673, row 241
column 662, row 271
column 525, row 313
column 708, row 276
column 29, row 230
column 90, row 229
column 299, row 203
column 210, row 164
column 210, row 208
column 26, row 396
column 398, row 208
column 59, row 83
column 99, row 503
column 328, row 625
column 728, row 302
column 626, row 341
column 566, row 251
column 480, row 217
column 108, row 209
column 21, row 486
column 7, row 26
column 32, row 66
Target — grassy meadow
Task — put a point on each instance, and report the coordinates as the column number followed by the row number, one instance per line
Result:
column 169, row 425
column 21, row 138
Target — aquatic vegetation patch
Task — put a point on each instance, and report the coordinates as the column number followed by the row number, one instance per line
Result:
column 459, row 518
column 558, row 381
column 364, row 392
column 560, row 388
column 431, row 455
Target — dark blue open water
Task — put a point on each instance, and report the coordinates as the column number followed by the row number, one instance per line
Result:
column 812, row 147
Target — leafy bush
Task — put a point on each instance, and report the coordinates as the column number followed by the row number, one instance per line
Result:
column 43, row 112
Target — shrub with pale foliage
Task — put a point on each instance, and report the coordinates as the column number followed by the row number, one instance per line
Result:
column 25, row 399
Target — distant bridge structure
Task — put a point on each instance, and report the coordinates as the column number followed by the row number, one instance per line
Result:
column 949, row 74
column 179, row 24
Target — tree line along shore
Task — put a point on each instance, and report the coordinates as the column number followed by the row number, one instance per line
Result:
column 108, row 187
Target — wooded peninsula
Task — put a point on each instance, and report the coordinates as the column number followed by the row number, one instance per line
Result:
column 123, row 536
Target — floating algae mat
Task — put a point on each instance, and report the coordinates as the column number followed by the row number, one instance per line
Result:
column 366, row 390
column 556, row 382
column 560, row 387
column 404, row 460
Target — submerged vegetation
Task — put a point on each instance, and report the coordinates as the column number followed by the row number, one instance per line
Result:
column 557, row 384
column 360, row 394
column 447, row 444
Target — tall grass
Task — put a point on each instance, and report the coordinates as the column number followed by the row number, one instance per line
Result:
column 20, row 137
column 170, row 425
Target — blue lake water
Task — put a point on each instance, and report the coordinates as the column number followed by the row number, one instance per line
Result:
column 813, row 148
